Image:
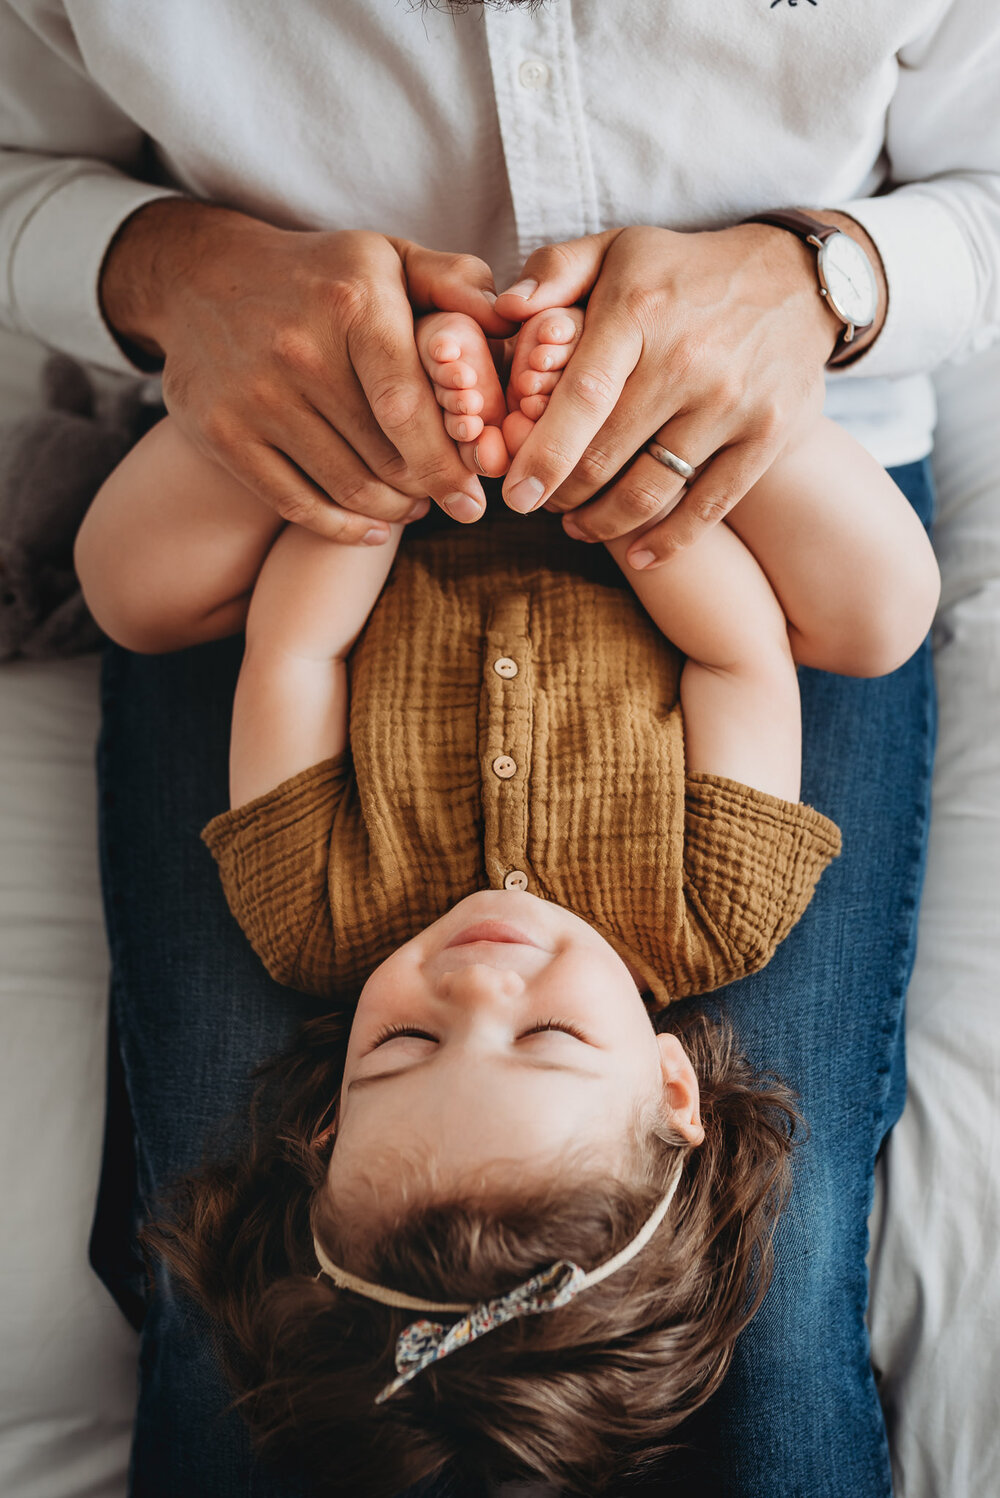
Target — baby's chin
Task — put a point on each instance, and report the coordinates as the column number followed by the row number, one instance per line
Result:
column 545, row 915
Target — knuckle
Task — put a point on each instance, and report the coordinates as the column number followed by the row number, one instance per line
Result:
column 728, row 393
column 772, row 419
column 595, row 467
column 591, row 388
column 219, row 428
column 711, row 511
column 259, row 392
column 394, row 402
column 433, row 476
column 176, row 385
column 296, row 508
column 685, row 363
column 396, row 472
column 644, row 502
column 356, row 495
column 553, row 464
column 468, row 267
column 641, row 303
column 365, row 498
column 295, row 348
column 345, row 300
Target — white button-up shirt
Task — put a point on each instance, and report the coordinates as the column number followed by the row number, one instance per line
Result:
column 497, row 130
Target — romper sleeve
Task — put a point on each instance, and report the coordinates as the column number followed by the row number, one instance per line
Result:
column 273, row 856
column 751, row 864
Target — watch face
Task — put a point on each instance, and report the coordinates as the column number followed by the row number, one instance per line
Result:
column 849, row 280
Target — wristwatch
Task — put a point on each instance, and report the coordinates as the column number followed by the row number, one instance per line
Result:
column 846, row 278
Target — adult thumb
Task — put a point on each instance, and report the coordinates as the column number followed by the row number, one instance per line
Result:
column 557, row 275
column 445, row 282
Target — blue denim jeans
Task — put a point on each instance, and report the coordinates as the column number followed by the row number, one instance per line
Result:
column 193, row 1012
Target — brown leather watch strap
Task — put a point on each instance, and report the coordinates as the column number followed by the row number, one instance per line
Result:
column 802, row 224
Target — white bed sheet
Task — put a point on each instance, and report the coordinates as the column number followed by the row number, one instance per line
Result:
column 935, row 1304
column 67, row 1359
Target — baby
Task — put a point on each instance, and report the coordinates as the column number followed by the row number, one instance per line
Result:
column 545, row 824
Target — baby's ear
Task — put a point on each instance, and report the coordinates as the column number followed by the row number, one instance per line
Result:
column 681, row 1095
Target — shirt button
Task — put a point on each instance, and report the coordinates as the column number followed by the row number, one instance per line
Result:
column 516, row 879
column 504, row 766
column 505, row 667
column 533, row 74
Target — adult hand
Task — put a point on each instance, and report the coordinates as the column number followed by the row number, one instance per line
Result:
column 711, row 343
column 290, row 359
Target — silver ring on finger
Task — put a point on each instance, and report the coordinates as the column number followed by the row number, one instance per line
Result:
column 670, row 460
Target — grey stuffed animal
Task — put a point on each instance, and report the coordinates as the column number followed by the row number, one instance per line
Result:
column 52, row 463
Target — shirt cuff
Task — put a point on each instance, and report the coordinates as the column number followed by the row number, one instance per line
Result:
column 56, row 262
column 931, row 277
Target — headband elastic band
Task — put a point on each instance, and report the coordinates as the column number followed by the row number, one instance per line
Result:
column 425, row 1342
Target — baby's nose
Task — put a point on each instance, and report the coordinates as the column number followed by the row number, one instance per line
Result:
column 483, row 985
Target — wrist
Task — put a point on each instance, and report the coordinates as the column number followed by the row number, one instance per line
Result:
column 151, row 259
column 799, row 265
column 786, row 266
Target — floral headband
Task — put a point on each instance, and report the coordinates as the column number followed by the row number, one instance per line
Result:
column 425, row 1342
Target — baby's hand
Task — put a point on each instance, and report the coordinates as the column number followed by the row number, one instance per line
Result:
column 457, row 357
column 542, row 351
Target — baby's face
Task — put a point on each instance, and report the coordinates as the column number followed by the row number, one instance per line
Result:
column 504, row 1035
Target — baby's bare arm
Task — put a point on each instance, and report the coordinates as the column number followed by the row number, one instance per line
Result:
column 309, row 605
column 739, row 690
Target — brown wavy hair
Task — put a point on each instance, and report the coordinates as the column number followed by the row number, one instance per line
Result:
column 580, row 1397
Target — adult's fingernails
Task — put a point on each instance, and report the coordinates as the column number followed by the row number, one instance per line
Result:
column 524, row 289
column 462, row 507
column 490, row 296
column 375, row 537
column 418, row 510
column 572, row 529
column 525, row 495
column 641, row 559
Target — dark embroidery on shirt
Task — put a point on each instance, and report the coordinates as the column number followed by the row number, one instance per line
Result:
column 791, row 2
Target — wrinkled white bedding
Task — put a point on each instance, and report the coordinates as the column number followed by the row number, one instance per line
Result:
column 935, row 1305
column 67, row 1360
